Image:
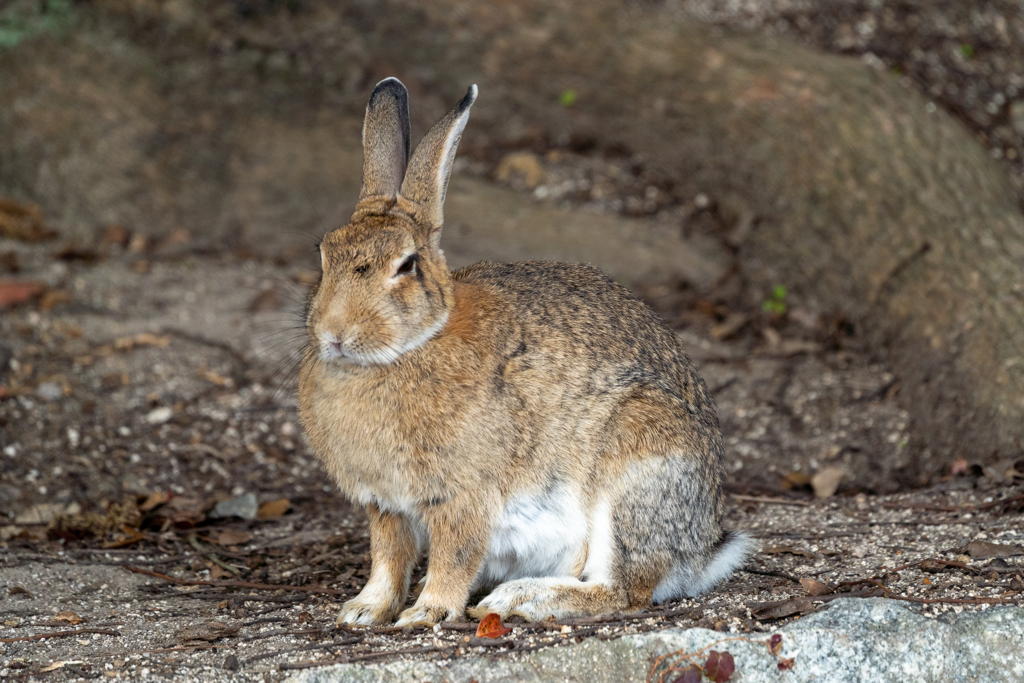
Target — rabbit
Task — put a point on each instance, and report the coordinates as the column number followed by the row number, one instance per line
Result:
column 534, row 425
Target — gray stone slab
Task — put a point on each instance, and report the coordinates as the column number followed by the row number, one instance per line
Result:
column 851, row 641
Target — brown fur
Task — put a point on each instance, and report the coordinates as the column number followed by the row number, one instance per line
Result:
column 450, row 404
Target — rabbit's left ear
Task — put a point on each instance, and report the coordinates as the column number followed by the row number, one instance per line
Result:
column 426, row 181
column 386, row 140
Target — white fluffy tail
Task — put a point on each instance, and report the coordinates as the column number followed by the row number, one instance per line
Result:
column 682, row 581
column 730, row 554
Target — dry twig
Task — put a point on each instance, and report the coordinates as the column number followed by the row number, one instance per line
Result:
column 60, row 634
column 234, row 584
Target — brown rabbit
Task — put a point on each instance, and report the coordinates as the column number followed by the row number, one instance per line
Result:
column 534, row 425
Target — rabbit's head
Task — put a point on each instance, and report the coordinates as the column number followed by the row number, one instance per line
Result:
column 385, row 288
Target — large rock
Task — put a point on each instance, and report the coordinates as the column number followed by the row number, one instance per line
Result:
column 176, row 114
column 850, row 642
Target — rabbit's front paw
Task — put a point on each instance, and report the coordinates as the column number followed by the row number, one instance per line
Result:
column 366, row 611
column 427, row 615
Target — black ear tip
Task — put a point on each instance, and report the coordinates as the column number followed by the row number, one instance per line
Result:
column 469, row 99
column 390, row 86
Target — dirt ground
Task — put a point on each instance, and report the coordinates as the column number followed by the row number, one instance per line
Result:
column 162, row 515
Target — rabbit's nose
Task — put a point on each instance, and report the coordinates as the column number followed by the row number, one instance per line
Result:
column 331, row 345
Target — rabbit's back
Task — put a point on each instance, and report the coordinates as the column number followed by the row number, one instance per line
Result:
column 578, row 330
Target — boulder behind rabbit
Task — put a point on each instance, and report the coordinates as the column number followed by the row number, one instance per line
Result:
column 534, row 425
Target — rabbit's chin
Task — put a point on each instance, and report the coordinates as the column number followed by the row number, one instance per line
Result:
column 385, row 355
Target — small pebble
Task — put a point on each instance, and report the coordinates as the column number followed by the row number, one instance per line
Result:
column 49, row 391
column 243, row 506
column 159, row 415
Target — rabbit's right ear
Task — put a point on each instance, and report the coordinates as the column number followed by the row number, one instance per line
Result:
column 426, row 183
column 386, row 140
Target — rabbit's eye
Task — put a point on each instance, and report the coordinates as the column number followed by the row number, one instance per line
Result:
column 408, row 266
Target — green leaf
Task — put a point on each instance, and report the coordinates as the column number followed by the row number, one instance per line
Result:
column 568, row 98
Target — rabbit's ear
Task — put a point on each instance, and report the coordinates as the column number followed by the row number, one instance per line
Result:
column 427, row 179
column 385, row 140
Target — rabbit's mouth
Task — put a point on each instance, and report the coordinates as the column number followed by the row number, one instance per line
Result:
column 352, row 349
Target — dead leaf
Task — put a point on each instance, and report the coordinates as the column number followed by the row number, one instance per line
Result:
column 117, row 517
column 9, row 261
column 209, row 632
column 68, row 617
column 933, row 566
column 14, row 292
column 117, row 234
column 231, row 537
column 69, row 252
column 491, row 627
column 959, row 467
column 41, row 513
column 218, row 572
column 184, row 512
column 53, row 298
column 814, row 587
column 273, row 509
column 983, row 549
column 797, row 347
column 138, row 244
column 779, row 549
column 830, row 452
column 154, row 499
column 23, row 222
column 730, row 326
column 826, row 481
column 214, row 378
column 691, row 674
column 144, row 339
column 128, row 537
column 792, row 480
column 176, row 237
column 720, row 666
column 52, row 667
column 782, row 608
column 1005, row 470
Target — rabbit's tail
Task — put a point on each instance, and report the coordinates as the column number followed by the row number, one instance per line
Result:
column 730, row 553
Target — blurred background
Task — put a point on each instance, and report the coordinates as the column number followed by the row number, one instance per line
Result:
column 822, row 197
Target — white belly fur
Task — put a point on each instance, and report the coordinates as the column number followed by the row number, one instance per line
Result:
column 536, row 535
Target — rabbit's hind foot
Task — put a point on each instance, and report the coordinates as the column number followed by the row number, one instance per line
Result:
column 536, row 599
